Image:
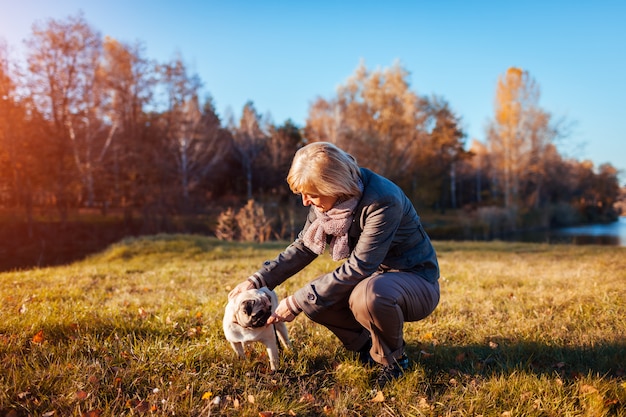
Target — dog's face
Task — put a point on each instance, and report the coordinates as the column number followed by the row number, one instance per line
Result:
column 253, row 308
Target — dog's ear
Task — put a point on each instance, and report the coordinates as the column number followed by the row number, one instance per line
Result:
column 248, row 307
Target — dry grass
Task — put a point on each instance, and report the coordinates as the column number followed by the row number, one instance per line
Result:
column 522, row 330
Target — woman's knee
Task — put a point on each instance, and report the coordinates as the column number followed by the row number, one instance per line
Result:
column 370, row 298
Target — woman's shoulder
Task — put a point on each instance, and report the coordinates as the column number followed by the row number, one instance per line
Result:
column 373, row 182
column 378, row 189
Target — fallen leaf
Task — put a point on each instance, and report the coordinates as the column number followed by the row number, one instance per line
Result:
column 251, row 398
column 39, row 337
column 23, row 395
column 266, row 413
column 379, row 397
column 493, row 345
column 307, row 398
column 236, row 403
column 81, row 395
column 92, row 413
column 142, row 313
column 48, row 414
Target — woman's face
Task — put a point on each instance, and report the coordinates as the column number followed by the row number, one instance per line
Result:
column 324, row 203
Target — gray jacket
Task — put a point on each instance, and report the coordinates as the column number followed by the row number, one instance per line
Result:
column 386, row 234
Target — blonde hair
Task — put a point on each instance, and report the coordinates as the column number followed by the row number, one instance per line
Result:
column 321, row 168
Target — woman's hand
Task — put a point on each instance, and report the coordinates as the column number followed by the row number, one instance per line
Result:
column 241, row 287
column 282, row 313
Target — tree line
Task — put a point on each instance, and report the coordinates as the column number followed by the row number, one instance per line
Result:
column 90, row 121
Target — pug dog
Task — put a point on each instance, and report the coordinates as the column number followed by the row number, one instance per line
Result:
column 245, row 321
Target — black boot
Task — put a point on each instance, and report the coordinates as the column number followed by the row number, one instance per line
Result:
column 364, row 354
column 392, row 371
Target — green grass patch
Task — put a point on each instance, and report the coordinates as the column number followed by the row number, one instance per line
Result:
column 521, row 330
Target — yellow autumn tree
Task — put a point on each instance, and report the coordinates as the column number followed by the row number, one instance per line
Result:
column 413, row 140
column 375, row 117
column 517, row 139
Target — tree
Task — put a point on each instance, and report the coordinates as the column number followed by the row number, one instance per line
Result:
column 480, row 164
column 446, row 141
column 600, row 193
column 518, row 137
column 249, row 140
column 24, row 156
column 375, row 117
column 275, row 160
column 130, row 80
column 195, row 141
column 63, row 60
column 9, row 118
column 414, row 141
column 12, row 122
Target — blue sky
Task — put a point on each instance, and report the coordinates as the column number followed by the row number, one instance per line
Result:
column 282, row 55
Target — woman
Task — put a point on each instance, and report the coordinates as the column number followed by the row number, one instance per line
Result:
column 390, row 275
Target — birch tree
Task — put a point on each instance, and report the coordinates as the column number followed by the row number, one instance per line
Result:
column 518, row 135
column 130, row 80
column 64, row 64
column 194, row 138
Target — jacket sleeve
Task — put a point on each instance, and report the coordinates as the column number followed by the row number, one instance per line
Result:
column 290, row 261
column 380, row 223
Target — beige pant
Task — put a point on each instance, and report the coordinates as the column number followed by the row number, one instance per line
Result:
column 379, row 306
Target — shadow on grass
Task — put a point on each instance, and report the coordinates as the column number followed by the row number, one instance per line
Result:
column 606, row 359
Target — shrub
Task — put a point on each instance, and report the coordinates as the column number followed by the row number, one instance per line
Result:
column 226, row 228
column 249, row 224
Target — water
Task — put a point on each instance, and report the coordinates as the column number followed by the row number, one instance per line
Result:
column 613, row 234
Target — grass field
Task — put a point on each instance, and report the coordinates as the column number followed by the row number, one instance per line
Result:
column 521, row 330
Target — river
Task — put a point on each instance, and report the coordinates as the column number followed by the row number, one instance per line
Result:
column 613, row 234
